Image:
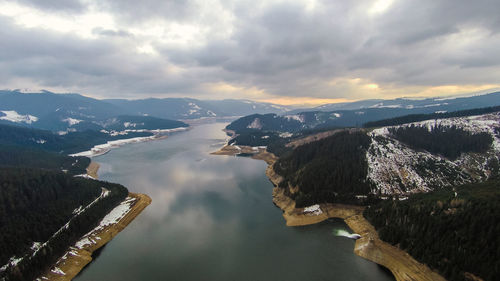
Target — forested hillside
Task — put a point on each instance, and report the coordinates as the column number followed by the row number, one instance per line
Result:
column 333, row 169
column 422, row 117
column 454, row 230
column 267, row 122
column 319, row 120
column 356, row 165
column 432, row 154
column 441, row 222
column 130, row 122
column 449, row 141
column 18, row 156
column 35, row 205
column 67, row 144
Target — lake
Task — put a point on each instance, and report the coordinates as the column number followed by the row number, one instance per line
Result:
column 212, row 218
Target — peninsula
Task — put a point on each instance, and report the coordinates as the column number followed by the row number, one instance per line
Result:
column 80, row 254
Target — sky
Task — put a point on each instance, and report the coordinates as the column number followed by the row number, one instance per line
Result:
column 288, row 52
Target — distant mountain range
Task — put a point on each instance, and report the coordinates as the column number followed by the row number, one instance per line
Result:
column 358, row 113
column 74, row 112
column 443, row 103
column 186, row 108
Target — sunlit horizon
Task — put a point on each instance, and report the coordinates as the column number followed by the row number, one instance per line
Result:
column 304, row 53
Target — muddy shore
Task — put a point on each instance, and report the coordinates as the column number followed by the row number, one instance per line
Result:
column 92, row 170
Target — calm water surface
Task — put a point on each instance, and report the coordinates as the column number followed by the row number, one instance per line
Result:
column 212, row 218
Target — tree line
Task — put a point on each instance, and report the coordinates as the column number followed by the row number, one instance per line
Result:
column 35, row 203
column 18, row 156
column 72, row 142
column 449, row 141
column 452, row 234
column 332, row 169
column 422, row 117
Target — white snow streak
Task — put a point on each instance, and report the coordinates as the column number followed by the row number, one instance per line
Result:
column 299, row 118
column 313, row 210
column 13, row 116
column 72, row 121
column 112, row 217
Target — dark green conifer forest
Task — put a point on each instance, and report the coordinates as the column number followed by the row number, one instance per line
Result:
column 453, row 234
column 19, row 156
column 449, row 141
column 35, row 204
column 39, row 195
column 333, row 169
column 422, row 117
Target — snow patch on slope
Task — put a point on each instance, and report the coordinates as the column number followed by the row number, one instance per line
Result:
column 13, row 116
column 296, row 117
column 112, row 217
column 394, row 168
column 72, row 121
column 313, row 210
column 256, row 124
column 381, row 105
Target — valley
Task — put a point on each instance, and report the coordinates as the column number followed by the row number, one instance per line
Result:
column 231, row 140
column 319, row 173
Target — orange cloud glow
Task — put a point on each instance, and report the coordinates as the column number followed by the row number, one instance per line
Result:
column 303, row 101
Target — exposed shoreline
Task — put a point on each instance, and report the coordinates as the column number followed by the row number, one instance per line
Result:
column 80, row 254
column 369, row 246
column 92, row 169
column 104, row 148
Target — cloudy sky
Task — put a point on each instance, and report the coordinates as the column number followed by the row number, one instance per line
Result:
column 302, row 51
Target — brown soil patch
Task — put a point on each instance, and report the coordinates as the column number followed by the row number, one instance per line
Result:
column 258, row 153
column 92, row 169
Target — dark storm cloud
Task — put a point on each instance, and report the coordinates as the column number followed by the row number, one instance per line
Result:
column 104, row 67
column 144, row 10
column 109, row 32
column 281, row 48
column 55, row 5
column 285, row 49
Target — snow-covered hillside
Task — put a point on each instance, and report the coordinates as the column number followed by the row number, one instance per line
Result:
column 395, row 168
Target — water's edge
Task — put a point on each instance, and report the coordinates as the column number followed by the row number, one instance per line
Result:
column 369, row 246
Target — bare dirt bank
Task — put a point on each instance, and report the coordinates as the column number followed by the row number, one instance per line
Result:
column 258, row 153
column 92, row 169
column 369, row 246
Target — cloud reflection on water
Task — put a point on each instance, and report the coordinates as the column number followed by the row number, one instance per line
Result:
column 212, row 220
